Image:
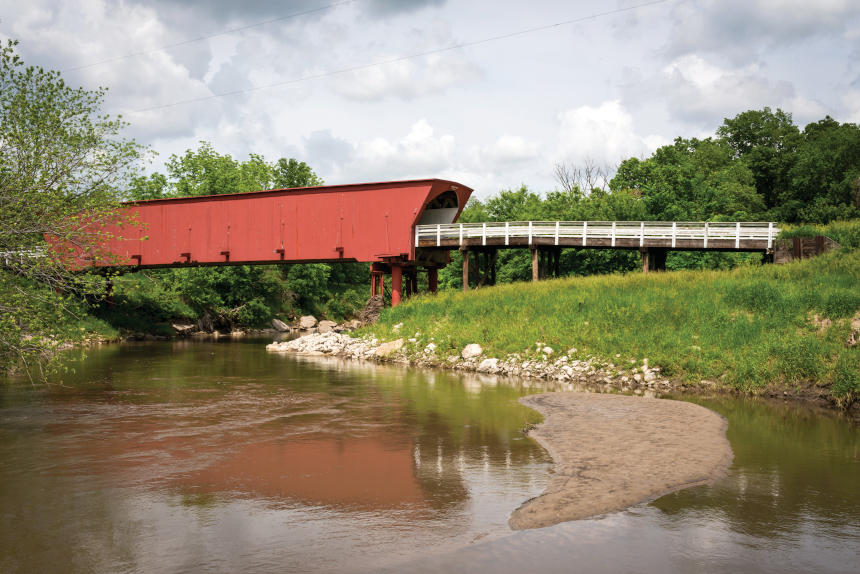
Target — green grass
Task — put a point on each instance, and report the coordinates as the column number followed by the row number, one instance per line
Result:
column 749, row 328
column 845, row 233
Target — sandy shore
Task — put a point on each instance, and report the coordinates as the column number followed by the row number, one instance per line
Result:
column 612, row 452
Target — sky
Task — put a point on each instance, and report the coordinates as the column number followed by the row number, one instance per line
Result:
column 492, row 94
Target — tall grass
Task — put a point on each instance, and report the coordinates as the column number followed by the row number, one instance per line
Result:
column 845, row 233
column 748, row 328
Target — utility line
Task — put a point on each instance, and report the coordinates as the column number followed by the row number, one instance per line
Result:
column 201, row 38
column 401, row 58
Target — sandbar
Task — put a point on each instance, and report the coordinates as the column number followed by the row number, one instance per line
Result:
column 613, row 451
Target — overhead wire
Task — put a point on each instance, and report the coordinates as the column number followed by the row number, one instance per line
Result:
column 394, row 60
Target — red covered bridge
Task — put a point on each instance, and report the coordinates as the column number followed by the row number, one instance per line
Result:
column 370, row 222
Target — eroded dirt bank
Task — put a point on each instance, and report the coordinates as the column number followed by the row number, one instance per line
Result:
column 612, row 452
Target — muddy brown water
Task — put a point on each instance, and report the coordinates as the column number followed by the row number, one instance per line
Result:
column 204, row 456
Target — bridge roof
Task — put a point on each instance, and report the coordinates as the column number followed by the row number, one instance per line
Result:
column 346, row 187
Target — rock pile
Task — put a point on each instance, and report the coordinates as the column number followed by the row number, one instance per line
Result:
column 544, row 364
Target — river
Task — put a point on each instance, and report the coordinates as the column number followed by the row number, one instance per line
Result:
column 215, row 456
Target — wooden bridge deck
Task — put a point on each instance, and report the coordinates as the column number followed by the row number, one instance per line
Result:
column 716, row 236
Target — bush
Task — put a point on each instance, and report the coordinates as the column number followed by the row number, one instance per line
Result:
column 846, row 376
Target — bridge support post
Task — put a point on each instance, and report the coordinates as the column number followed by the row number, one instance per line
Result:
column 377, row 280
column 653, row 259
column 465, row 252
column 432, row 279
column 396, row 284
column 535, row 263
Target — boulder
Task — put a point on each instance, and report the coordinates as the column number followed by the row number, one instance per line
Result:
column 488, row 366
column 387, row 349
column 308, row 322
column 279, row 325
column 471, row 350
column 183, row 330
column 326, row 326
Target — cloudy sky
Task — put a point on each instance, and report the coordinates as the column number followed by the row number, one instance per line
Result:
column 488, row 93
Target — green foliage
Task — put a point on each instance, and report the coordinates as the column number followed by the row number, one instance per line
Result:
column 759, row 167
column 308, row 280
column 61, row 165
column 846, row 376
column 204, row 171
column 845, row 233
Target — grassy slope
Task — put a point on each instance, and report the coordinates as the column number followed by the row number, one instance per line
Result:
column 750, row 327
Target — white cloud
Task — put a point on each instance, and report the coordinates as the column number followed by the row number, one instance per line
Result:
column 405, row 79
column 851, row 102
column 509, row 149
column 700, row 92
column 420, row 153
column 604, row 134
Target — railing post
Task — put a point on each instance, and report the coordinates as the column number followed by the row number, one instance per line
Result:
column 584, row 232
column 416, row 236
column 705, row 245
column 674, row 232
column 641, row 233
column 738, row 235
column 438, row 235
column 483, row 234
column 556, row 232
column 530, row 232
column 613, row 234
column 461, row 234
column 770, row 235
column 507, row 226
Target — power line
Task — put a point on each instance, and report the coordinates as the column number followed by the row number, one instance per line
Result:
column 201, row 38
column 458, row 46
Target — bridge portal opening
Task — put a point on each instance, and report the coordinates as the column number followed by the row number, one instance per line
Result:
column 441, row 210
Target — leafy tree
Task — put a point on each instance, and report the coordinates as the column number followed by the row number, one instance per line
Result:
column 293, row 173
column 825, row 178
column 62, row 164
column 766, row 142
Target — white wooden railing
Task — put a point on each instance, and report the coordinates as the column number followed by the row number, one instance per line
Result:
column 588, row 230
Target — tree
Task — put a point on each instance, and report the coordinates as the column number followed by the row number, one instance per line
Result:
column 766, row 142
column 825, row 178
column 62, row 164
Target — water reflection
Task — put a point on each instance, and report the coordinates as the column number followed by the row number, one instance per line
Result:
column 313, row 465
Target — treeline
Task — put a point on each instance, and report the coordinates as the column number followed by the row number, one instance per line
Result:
column 759, row 166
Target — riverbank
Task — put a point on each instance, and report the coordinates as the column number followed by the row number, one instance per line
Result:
column 788, row 330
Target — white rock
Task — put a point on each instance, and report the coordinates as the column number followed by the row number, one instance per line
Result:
column 326, row 326
column 397, row 327
column 471, row 350
column 279, row 325
column 308, row 322
column 488, row 366
column 547, row 351
column 387, row 349
column 650, row 376
column 430, row 348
